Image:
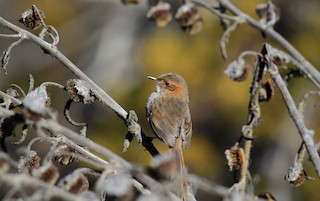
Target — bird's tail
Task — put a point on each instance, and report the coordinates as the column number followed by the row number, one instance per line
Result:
column 179, row 173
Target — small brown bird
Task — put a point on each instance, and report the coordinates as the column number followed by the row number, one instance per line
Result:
column 169, row 116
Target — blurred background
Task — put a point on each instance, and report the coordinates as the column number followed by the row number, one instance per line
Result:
column 118, row 47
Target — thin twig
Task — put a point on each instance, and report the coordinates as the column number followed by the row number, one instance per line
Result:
column 77, row 138
column 224, row 40
column 11, row 98
column 215, row 10
column 216, row 189
column 10, row 35
column 85, row 152
column 254, row 114
column 34, row 183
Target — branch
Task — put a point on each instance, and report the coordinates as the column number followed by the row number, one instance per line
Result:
column 254, row 115
column 99, row 93
column 19, row 181
column 305, row 134
column 79, row 139
column 306, row 67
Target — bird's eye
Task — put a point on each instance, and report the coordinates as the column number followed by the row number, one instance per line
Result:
column 166, row 83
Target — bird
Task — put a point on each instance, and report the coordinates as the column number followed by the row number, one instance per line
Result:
column 167, row 111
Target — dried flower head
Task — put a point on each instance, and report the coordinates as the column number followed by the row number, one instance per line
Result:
column 118, row 185
column 160, row 13
column 235, row 157
column 279, row 57
column 47, row 173
column 36, row 103
column 266, row 91
column 189, row 18
column 79, row 91
column 300, row 178
column 237, row 70
column 32, row 18
column 60, row 157
column 31, row 162
column 268, row 13
column 14, row 93
column 296, row 175
column 75, row 183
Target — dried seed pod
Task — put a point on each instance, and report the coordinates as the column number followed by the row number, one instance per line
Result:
column 279, row 57
column 119, row 187
column 296, row 175
column 235, row 157
column 31, row 18
column 47, row 173
column 237, row 70
column 300, row 179
column 79, row 91
column 36, row 103
column 266, row 91
column 194, row 28
column 268, row 13
column 160, row 13
column 296, row 178
column 189, row 18
column 75, row 183
column 63, row 159
column 31, row 162
column 14, row 93
column 280, row 61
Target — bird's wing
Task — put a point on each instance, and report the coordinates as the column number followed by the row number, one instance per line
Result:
column 186, row 129
column 168, row 121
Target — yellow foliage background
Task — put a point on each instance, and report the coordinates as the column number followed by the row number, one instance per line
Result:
column 218, row 105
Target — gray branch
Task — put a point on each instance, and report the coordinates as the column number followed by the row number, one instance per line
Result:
column 305, row 134
column 50, row 49
column 308, row 68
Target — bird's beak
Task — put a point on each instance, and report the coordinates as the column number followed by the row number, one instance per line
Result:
column 152, row 78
